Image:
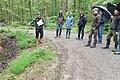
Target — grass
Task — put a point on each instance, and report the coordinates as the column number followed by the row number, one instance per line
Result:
column 4, row 30
column 25, row 58
column 24, row 40
column 51, row 25
column 28, row 57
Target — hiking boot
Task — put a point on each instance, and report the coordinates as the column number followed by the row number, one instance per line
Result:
column 37, row 43
column 69, row 37
column 105, row 47
column 115, row 50
column 117, row 53
column 40, row 40
column 66, row 38
column 87, row 45
column 56, row 37
column 59, row 36
column 92, row 46
column 77, row 38
column 82, row 38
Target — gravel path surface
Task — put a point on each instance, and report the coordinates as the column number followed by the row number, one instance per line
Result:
column 77, row 62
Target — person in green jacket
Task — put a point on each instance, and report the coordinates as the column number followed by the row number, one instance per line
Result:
column 59, row 24
column 94, row 28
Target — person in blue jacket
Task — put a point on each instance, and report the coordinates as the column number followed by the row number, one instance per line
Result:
column 69, row 23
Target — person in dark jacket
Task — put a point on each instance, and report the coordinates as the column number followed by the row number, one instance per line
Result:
column 94, row 28
column 117, row 25
column 112, row 32
column 39, row 22
column 81, row 25
column 101, row 27
column 59, row 24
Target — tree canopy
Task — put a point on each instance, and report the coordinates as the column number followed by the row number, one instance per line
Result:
column 25, row 10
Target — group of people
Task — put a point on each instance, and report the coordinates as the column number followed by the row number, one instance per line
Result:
column 69, row 23
column 115, row 32
column 96, row 29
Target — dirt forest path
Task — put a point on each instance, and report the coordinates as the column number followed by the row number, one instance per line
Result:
column 80, row 63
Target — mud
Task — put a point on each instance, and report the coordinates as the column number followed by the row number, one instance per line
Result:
column 8, row 50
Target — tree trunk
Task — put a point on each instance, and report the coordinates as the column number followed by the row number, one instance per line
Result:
column 30, row 9
column 12, row 16
column 6, row 12
column 74, row 5
column 66, row 6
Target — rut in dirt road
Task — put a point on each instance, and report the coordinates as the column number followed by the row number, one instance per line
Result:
column 77, row 62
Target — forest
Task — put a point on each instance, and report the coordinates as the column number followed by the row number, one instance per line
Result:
column 24, row 56
column 23, row 11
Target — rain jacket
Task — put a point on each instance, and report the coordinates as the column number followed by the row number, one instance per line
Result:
column 96, row 21
column 69, row 22
column 115, row 23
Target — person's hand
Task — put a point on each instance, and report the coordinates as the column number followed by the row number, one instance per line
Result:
column 93, row 28
column 116, row 33
column 111, row 17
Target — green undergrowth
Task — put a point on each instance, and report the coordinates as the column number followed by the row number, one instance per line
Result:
column 24, row 39
column 28, row 57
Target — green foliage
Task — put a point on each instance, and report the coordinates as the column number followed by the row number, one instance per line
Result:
column 24, row 40
column 53, row 19
column 4, row 31
column 106, row 27
column 28, row 57
column 51, row 25
column 51, row 22
column 18, row 24
column 24, row 10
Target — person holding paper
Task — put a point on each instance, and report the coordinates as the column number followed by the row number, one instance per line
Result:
column 39, row 22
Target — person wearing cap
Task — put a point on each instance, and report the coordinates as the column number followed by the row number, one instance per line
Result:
column 81, row 25
column 69, row 23
column 94, row 28
column 59, row 24
column 39, row 22
column 112, row 32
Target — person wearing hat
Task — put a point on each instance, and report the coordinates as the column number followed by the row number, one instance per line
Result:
column 94, row 28
column 59, row 24
column 39, row 22
column 81, row 25
column 69, row 23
